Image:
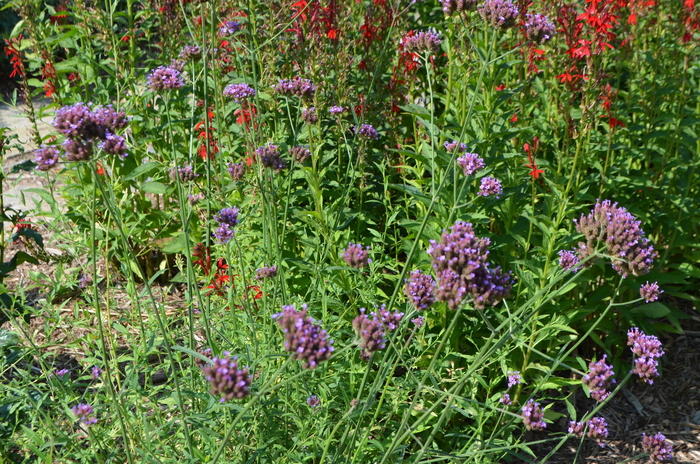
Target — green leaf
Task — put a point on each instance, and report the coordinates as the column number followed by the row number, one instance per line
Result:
column 145, row 168
column 157, row 188
column 8, row 338
column 27, row 166
column 652, row 310
column 176, row 244
column 29, row 233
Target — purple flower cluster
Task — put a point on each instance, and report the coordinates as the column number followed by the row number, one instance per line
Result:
column 514, row 378
column 185, row 173
column 599, row 379
column 239, row 92
column 84, row 127
column 300, row 153
column 418, row 321
column 270, row 157
column 355, row 256
column 303, row 337
column 533, row 416
column 336, row 110
column 371, row 332
column 657, row 447
column 420, row 290
column 309, row 115
column 650, row 292
column 568, row 260
column 490, row 186
column 367, row 131
column 165, row 78
column 421, row 42
column 499, row 13
column 471, row 163
column 597, row 429
column 266, row 272
column 505, row 399
column 647, row 349
column 236, row 171
column 229, row 28
column 461, row 266
column 84, row 412
column 227, row 380
column 59, row 373
column 227, row 219
column 302, row 88
column 95, row 372
column 313, row 402
column 624, row 240
column 457, row 6
column 190, row 52
column 389, row 320
column 538, row 28
column 451, row 146
column 46, row 157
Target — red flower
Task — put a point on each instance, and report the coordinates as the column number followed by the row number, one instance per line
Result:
column 12, row 49
column 100, row 169
column 534, row 170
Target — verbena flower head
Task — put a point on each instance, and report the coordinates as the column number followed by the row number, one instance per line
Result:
column 309, row 115
column 505, row 399
column 336, row 110
column 165, row 78
column 457, row 6
column 598, row 430
column 191, row 52
column 302, row 88
column 355, row 256
column 420, row 290
column 185, row 173
column 568, row 260
column 538, row 28
column 236, row 171
column 270, row 157
column 224, row 233
column 533, row 416
column 367, row 131
column 471, row 163
column 514, row 378
column 229, row 28
column 227, row 380
column 303, row 337
column 114, row 145
column 657, row 447
column 371, row 332
column 195, row 199
column 300, row 153
column 266, row 272
column 239, row 92
column 77, row 149
column 421, row 42
column 75, row 121
column 490, row 186
column 418, row 321
column 84, row 412
column 109, row 120
column 227, row 216
column 647, row 349
column 46, row 157
column 599, row 379
column 650, row 292
column 95, row 372
column 576, row 428
column 451, row 146
column 619, row 232
column 499, row 13
column 60, row 373
column 390, row 320
column 313, row 402
column 461, row 266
